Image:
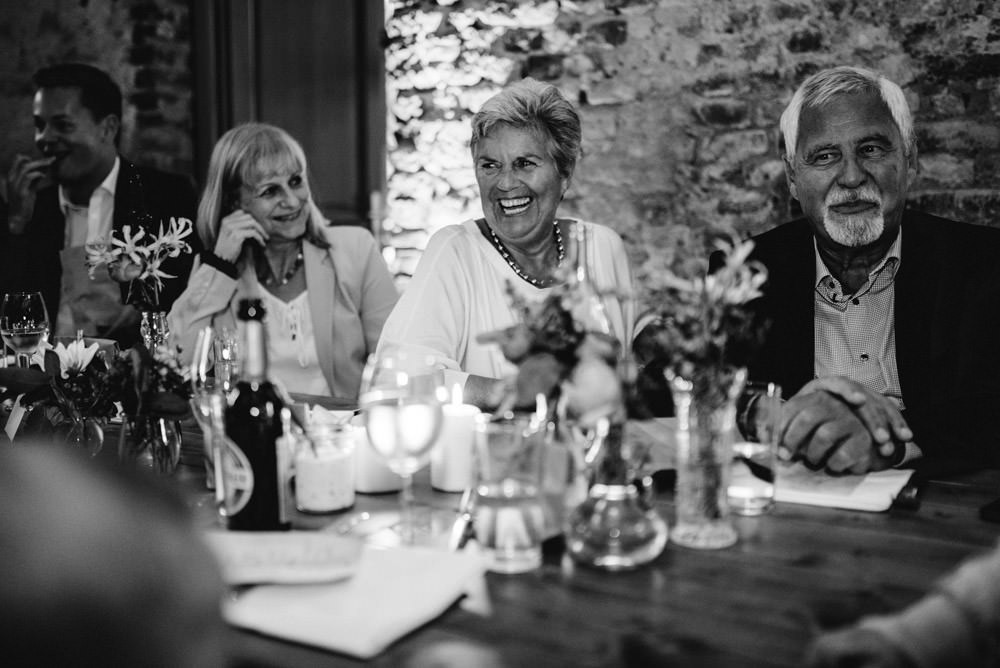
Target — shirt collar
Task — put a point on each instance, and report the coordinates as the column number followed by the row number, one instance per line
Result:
column 109, row 184
column 892, row 259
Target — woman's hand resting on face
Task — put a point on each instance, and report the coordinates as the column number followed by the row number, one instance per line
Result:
column 235, row 229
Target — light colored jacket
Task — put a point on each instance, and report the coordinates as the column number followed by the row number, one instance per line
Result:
column 350, row 295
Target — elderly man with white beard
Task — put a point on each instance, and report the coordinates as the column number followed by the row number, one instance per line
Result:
column 884, row 321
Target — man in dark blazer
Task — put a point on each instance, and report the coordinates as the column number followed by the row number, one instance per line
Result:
column 81, row 190
column 884, row 321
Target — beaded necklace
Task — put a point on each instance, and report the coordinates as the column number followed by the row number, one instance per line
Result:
column 273, row 280
column 505, row 254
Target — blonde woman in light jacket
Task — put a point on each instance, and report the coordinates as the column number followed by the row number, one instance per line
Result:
column 326, row 290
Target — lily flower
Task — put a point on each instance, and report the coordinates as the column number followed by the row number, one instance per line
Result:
column 75, row 356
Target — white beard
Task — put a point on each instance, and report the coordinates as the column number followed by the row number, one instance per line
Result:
column 854, row 230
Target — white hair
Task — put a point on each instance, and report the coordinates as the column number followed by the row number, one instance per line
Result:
column 819, row 88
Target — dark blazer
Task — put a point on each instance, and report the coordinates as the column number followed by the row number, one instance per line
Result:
column 143, row 196
column 947, row 327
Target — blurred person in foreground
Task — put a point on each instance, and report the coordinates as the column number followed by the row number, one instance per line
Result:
column 956, row 624
column 76, row 192
column 526, row 141
column 326, row 290
column 883, row 318
column 102, row 567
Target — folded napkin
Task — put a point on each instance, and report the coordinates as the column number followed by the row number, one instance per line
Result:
column 873, row 492
column 325, row 416
column 256, row 557
column 393, row 592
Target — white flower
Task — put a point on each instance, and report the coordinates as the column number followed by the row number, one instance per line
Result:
column 75, row 357
column 139, row 255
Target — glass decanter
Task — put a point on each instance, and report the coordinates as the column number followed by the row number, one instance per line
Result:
column 616, row 527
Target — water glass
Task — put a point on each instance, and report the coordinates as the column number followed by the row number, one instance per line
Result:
column 509, row 516
column 203, row 386
column 400, row 401
column 24, row 324
column 755, row 450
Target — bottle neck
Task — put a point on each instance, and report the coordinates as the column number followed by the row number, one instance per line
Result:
column 255, row 356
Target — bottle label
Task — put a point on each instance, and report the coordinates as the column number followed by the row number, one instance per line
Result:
column 238, row 475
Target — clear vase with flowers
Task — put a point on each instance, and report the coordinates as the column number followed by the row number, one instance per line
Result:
column 702, row 334
column 155, row 398
column 68, row 394
column 136, row 256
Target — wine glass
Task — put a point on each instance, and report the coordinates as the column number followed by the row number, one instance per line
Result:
column 24, row 324
column 400, row 401
column 203, row 386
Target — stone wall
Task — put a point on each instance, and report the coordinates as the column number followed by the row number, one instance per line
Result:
column 679, row 98
column 679, row 101
column 145, row 45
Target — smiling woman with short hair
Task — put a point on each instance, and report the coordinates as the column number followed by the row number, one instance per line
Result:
column 525, row 146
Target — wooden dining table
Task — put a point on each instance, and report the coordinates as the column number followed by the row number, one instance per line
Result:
column 796, row 571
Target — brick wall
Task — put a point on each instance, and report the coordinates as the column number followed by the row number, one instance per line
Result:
column 679, row 98
column 145, row 45
column 679, row 101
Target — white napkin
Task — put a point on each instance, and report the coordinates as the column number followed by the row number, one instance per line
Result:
column 257, row 557
column 17, row 414
column 394, row 591
column 319, row 414
column 873, row 492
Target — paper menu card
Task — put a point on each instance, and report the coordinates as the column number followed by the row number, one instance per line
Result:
column 873, row 492
column 394, row 591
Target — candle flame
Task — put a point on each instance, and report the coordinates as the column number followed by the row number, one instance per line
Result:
column 541, row 409
column 456, row 394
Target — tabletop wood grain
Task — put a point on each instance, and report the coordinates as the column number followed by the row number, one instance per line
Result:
column 794, row 572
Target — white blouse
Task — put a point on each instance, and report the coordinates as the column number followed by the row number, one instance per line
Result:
column 291, row 344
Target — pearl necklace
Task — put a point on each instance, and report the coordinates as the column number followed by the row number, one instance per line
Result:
column 560, row 251
column 273, row 280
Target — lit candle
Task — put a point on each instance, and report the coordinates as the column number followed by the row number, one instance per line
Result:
column 324, row 477
column 451, row 457
column 371, row 474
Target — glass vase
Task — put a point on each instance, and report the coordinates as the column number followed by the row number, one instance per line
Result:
column 153, row 329
column 87, row 433
column 152, row 443
column 615, row 527
column 706, row 422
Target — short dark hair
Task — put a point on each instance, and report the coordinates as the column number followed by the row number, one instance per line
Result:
column 98, row 93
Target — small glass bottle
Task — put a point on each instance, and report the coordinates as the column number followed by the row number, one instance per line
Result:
column 615, row 527
column 588, row 306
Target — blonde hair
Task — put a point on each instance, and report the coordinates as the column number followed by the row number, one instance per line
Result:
column 242, row 157
column 818, row 89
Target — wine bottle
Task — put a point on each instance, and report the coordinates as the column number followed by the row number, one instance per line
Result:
column 255, row 486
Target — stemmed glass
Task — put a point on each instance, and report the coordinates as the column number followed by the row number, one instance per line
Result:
column 24, row 324
column 400, row 400
column 203, row 387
